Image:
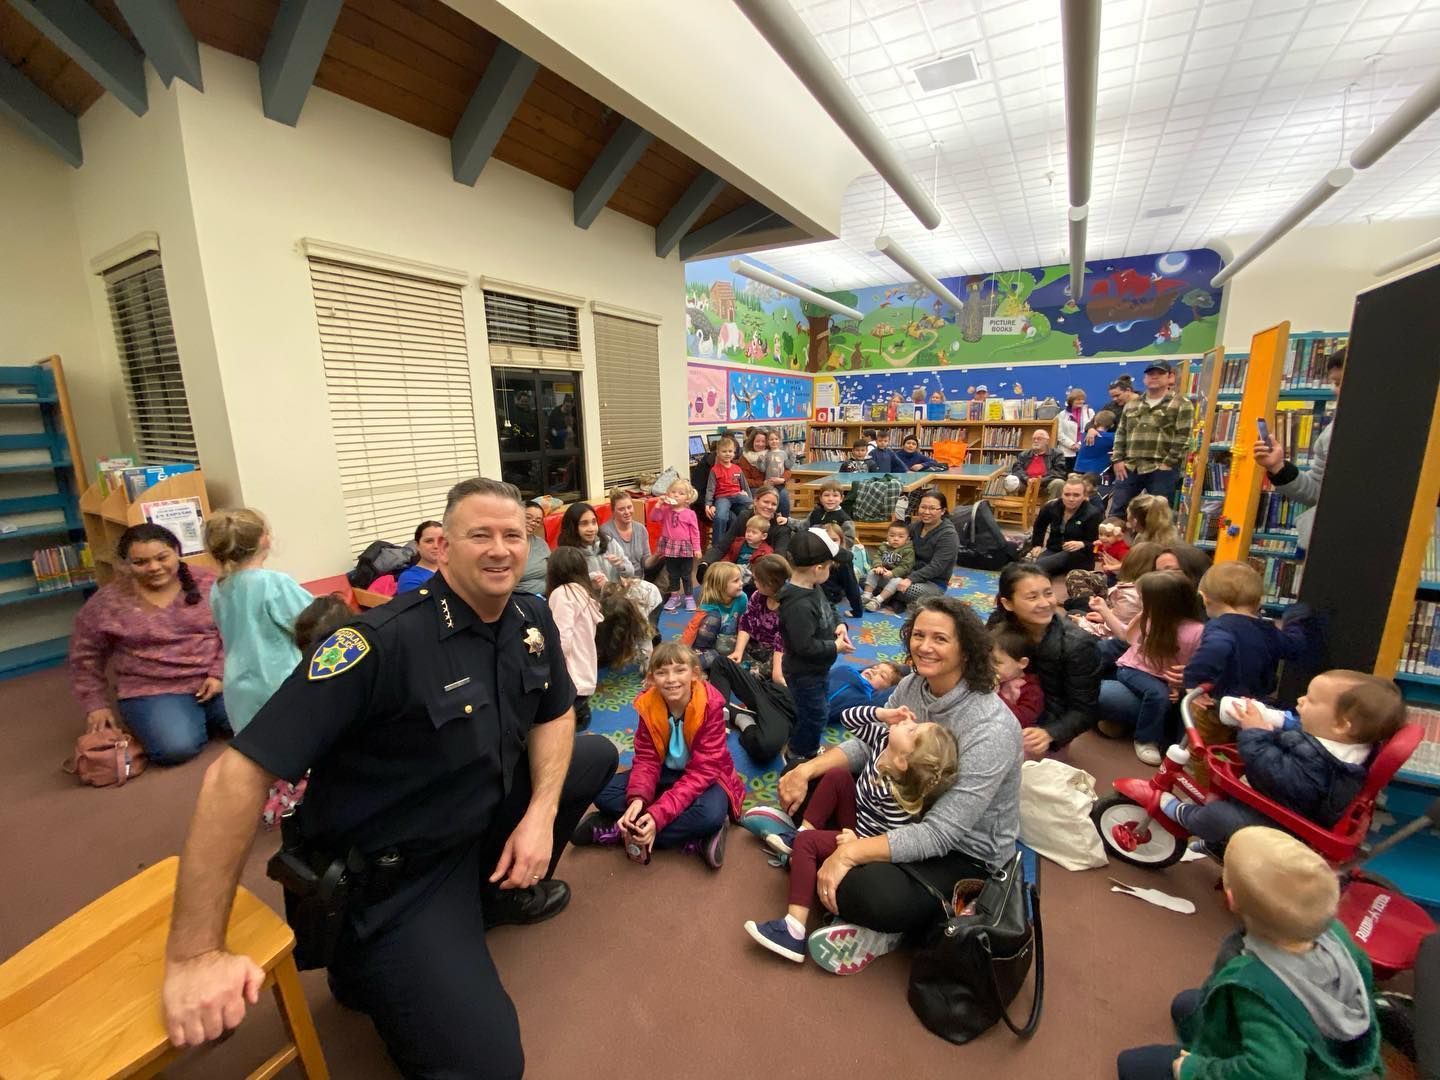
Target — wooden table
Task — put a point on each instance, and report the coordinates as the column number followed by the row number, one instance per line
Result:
column 962, row 484
column 804, row 495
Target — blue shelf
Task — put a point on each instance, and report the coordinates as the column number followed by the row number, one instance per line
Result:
column 27, row 503
column 34, row 657
column 1313, row 394
column 1418, row 680
column 1272, row 536
column 56, row 528
column 24, row 596
column 28, row 401
column 1431, row 587
column 35, row 467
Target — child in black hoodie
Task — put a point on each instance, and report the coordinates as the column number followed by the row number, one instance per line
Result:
column 842, row 582
column 813, row 638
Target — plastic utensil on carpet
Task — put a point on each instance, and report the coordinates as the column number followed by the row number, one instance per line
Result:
column 1154, row 896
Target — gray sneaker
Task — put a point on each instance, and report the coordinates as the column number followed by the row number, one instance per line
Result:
column 843, row 948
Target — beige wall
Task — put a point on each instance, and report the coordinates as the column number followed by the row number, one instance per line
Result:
column 133, row 181
column 1311, row 277
column 44, row 309
column 353, row 176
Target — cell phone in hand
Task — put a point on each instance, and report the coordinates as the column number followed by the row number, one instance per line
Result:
column 1264, row 430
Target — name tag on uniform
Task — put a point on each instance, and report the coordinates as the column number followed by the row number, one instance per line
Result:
column 457, row 684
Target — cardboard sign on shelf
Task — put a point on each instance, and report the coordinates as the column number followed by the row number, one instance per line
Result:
column 183, row 517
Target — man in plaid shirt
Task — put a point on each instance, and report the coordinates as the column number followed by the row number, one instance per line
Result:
column 1151, row 440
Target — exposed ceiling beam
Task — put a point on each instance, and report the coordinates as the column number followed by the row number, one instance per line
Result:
column 722, row 228
column 165, row 37
column 35, row 113
column 765, row 224
column 609, row 171
column 85, row 37
column 292, row 55
column 686, row 211
column 491, row 107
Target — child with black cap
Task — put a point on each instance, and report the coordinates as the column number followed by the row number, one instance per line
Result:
column 813, row 639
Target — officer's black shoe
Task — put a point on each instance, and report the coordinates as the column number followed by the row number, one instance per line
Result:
column 521, row 907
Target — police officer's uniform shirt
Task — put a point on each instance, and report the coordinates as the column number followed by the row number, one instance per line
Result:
column 412, row 720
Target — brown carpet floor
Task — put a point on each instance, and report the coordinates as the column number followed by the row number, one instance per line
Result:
column 648, row 973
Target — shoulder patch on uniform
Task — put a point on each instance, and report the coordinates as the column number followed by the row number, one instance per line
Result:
column 341, row 651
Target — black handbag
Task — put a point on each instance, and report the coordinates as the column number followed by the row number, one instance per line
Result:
column 973, row 964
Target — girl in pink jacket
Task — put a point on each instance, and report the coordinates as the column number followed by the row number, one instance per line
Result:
column 682, row 791
column 679, row 541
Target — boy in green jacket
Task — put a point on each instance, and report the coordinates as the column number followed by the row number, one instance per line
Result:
column 1295, row 1000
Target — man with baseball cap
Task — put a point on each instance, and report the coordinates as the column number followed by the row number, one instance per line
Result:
column 1151, row 439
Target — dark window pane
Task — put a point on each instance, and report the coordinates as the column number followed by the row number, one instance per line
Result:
column 525, row 475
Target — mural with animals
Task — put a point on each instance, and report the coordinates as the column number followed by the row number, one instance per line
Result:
column 1133, row 307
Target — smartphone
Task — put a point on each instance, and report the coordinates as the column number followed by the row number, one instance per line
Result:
column 1264, row 430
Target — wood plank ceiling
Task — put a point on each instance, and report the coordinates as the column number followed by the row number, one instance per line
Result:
column 418, row 61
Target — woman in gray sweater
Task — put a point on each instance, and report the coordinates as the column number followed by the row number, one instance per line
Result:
column 969, row 831
column 937, row 546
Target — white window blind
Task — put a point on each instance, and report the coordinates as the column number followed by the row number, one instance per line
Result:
column 627, row 359
column 397, row 374
column 530, row 333
column 145, row 340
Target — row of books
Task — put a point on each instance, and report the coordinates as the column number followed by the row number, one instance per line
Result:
column 122, row 474
column 1005, row 438
column 1304, row 366
column 821, row 454
column 1281, row 576
column 1273, row 514
column 1001, row 459
column 1295, row 427
column 63, row 567
column 1420, row 655
column 843, row 438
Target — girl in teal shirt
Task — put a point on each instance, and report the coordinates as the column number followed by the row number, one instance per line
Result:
column 255, row 610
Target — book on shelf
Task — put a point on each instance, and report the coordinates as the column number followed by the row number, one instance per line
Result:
column 1304, row 368
column 63, row 567
column 1002, row 438
column 1430, row 563
column 1280, row 576
column 849, row 413
column 135, row 481
column 905, row 411
column 1420, row 654
column 994, row 409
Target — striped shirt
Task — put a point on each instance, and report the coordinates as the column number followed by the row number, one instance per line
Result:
column 876, row 811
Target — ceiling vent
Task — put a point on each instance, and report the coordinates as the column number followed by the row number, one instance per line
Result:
column 1163, row 211
column 947, row 72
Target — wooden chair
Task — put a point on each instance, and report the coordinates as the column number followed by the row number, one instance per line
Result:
column 83, row 1000
column 1018, row 509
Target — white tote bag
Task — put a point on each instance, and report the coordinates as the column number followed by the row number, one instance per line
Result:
column 1055, row 802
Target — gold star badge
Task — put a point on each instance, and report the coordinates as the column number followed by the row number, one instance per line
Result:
column 535, row 641
column 341, row 651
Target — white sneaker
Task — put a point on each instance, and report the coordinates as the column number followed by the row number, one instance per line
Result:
column 843, row 948
column 872, row 604
column 1148, row 752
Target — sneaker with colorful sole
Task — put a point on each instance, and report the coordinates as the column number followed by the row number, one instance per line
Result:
column 764, row 820
column 843, row 948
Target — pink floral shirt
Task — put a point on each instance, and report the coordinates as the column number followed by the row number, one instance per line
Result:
column 150, row 650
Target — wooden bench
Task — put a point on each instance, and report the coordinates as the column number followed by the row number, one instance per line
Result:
column 83, row 1000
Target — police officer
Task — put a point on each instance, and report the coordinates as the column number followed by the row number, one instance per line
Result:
column 445, row 780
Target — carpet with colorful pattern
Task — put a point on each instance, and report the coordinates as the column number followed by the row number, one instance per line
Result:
column 612, row 709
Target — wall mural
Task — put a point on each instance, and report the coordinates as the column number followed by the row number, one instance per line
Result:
column 761, row 395
column 1039, row 381
column 1138, row 306
column 708, row 394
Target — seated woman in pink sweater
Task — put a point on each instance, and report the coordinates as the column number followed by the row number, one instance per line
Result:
column 153, row 628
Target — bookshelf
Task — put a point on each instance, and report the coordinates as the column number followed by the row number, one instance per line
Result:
column 39, row 489
column 991, row 442
column 1304, row 405
column 108, row 514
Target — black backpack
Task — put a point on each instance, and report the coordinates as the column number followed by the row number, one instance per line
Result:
column 378, row 559
column 982, row 542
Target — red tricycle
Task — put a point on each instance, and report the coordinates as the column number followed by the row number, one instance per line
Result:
column 1386, row 924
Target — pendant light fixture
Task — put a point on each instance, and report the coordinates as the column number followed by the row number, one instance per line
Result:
column 1080, row 42
column 800, row 292
column 907, row 262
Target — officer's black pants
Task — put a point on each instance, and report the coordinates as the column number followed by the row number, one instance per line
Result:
column 427, row 980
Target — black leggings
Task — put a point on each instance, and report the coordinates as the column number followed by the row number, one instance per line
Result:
column 677, row 569
column 842, row 582
column 1060, row 562
column 772, row 705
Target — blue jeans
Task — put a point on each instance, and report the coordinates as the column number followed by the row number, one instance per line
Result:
column 174, row 727
column 1157, row 1062
column 812, row 707
column 702, row 818
column 1161, row 482
column 1154, row 697
column 724, row 507
column 1216, row 822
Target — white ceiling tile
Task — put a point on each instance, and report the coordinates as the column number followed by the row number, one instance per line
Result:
column 1229, row 108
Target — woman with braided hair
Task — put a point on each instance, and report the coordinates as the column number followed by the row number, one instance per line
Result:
column 152, row 626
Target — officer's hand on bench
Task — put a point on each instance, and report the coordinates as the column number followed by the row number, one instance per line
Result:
column 205, row 996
